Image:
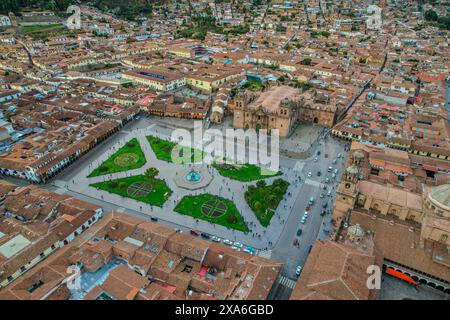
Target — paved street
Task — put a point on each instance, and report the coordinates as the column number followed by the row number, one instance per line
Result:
column 285, row 250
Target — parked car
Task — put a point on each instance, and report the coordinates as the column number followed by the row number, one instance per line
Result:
column 316, row 159
column 334, row 161
column 311, row 201
column 330, row 169
column 329, row 193
column 336, row 171
column 319, row 173
column 204, row 235
column 227, row 242
column 303, row 220
column 307, row 207
column 339, row 155
column 248, row 251
column 238, row 244
column 309, row 174
column 321, row 195
column 298, row 270
column 216, row 239
column 154, row 219
column 318, row 152
column 178, row 230
column 195, row 232
column 327, row 180
column 325, row 205
column 299, row 232
column 236, row 248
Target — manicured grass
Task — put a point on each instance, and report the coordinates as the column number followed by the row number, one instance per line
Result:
column 41, row 27
column 118, row 163
column 192, row 206
column 245, row 172
column 163, row 150
column 264, row 199
column 158, row 194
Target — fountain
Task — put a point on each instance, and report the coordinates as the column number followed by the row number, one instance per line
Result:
column 192, row 179
column 193, row 176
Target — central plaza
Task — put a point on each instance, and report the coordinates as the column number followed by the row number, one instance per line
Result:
column 137, row 173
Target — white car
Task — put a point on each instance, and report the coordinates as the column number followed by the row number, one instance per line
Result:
column 236, row 248
column 309, row 174
column 303, row 220
column 298, row 270
column 305, row 215
column 248, row 251
column 216, row 239
column 238, row 244
column 227, row 242
column 316, row 159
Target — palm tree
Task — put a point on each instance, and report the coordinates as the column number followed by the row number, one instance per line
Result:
column 151, row 173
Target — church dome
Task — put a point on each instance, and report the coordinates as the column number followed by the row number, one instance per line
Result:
column 356, row 231
column 358, row 154
column 353, row 170
column 440, row 196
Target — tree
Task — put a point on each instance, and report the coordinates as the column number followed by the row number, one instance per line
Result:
column 257, row 205
column 260, row 183
column 431, row 15
column 306, row 62
column 151, row 173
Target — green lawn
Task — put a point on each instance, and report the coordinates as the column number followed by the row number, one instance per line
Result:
column 41, row 27
column 163, row 149
column 245, row 172
column 129, row 157
column 158, row 195
column 192, row 206
column 264, row 199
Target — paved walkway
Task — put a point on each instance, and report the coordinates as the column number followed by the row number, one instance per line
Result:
column 259, row 237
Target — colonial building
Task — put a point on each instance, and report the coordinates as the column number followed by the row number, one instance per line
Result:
column 280, row 108
column 276, row 108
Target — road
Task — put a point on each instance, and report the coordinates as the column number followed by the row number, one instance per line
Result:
column 284, row 250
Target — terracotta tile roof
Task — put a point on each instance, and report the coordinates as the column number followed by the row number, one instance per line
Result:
column 334, row 271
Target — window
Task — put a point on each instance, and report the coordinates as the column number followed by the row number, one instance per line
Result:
column 42, row 255
column 53, row 247
column 10, row 278
column 23, row 269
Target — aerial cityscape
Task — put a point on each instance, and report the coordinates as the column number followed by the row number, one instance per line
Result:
column 225, row 150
